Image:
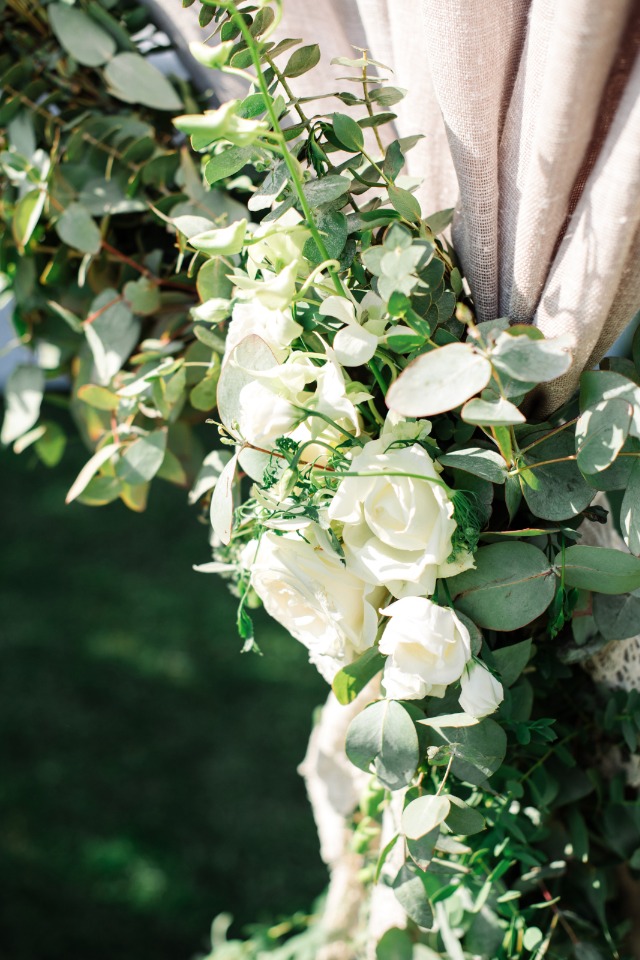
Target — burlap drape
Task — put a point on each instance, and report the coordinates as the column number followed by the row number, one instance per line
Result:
column 531, row 116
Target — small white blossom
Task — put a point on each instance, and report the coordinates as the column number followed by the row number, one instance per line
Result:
column 481, row 693
column 427, row 647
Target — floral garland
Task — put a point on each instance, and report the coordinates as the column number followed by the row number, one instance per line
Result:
column 388, row 503
column 383, row 495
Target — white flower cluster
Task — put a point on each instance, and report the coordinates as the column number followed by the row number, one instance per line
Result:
column 363, row 568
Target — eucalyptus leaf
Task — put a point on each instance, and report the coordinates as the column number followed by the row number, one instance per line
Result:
column 600, row 569
column 531, row 361
column 98, row 397
column 601, row 432
column 77, row 228
column 203, row 395
column 384, row 736
column 225, row 164
column 26, row 215
column 80, row 35
column 348, row 132
column 224, row 241
column 135, row 80
column 325, row 189
column 142, row 459
column 439, row 381
column 333, row 229
column 23, row 397
column 478, row 751
column 481, row 462
column 462, row 819
column 50, row 446
column 302, row 60
column 617, row 617
column 221, row 511
column 112, row 335
column 422, row 850
column 411, row 893
column 512, row 584
column 142, row 295
column 557, row 490
column 491, row 413
column 422, row 815
column 630, row 510
column 510, row 661
column 351, row 679
column 599, row 385
column 90, row 469
column 395, row 944
column 405, row 203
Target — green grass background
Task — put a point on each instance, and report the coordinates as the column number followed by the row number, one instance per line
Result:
column 147, row 769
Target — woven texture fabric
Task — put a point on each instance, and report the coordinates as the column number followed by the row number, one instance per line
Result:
column 530, row 111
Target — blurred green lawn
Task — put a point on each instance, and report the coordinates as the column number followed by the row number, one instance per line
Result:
column 147, row 770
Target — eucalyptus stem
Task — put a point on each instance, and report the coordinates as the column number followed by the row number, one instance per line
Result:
column 290, row 161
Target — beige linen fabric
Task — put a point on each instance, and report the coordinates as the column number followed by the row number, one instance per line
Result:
column 530, row 111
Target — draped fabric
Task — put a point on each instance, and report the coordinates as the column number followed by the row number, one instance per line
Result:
column 530, row 111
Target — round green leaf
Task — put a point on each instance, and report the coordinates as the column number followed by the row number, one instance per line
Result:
column 325, row 189
column 423, row 815
column 384, row 735
column 600, row 569
column 80, row 35
column 478, row 751
column 23, row 397
column 511, row 585
column 492, row 413
column 77, row 228
column 411, row 893
column 600, row 434
column 135, row 80
column 529, row 360
column 617, row 616
column 143, row 458
column 555, row 491
column 462, row 819
column 439, row 381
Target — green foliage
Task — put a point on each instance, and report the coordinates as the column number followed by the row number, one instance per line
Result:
column 384, row 736
column 97, row 271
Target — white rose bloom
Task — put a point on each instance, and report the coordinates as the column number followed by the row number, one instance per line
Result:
column 305, row 586
column 276, row 327
column 427, row 647
column 481, row 693
column 397, row 529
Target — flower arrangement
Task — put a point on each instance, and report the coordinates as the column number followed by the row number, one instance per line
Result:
column 386, row 491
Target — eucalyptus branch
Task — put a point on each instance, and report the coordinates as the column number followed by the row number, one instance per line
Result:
column 290, row 161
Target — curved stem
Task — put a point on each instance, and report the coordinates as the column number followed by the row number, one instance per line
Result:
column 291, row 162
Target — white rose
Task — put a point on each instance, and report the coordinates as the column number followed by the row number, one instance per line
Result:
column 481, row 693
column 305, row 586
column 427, row 647
column 396, row 529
